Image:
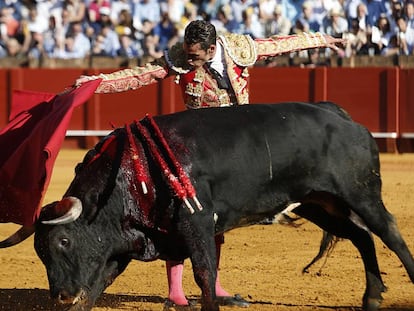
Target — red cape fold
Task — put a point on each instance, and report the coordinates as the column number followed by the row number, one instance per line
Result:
column 29, row 146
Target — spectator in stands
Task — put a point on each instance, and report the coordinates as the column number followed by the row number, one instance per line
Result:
column 165, row 33
column 320, row 10
column 409, row 13
column 381, row 34
column 64, row 26
column 12, row 48
column 76, row 10
column 212, row 72
column 110, row 41
column 279, row 24
column 50, row 37
column 396, row 12
column 224, row 22
column 99, row 12
column 76, row 43
column 46, row 8
column 393, row 48
column 356, row 40
column 98, row 45
column 51, row 8
column 129, row 47
column 146, row 10
column 350, row 8
column 175, row 9
column 266, row 10
column 124, row 24
column 148, row 41
column 9, row 25
column 3, row 51
column 362, row 17
column 36, row 50
column 118, row 8
column 405, row 37
column 18, row 8
column 292, row 9
column 375, row 9
column 36, row 23
column 335, row 24
column 239, row 6
column 307, row 19
column 190, row 14
column 210, row 8
column 251, row 25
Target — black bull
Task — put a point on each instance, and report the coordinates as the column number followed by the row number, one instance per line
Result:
column 246, row 163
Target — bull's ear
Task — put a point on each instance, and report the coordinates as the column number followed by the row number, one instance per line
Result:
column 92, row 202
column 65, row 211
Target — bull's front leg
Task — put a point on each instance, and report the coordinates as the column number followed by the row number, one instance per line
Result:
column 199, row 236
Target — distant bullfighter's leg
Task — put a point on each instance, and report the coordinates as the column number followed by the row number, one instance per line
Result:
column 361, row 238
column 220, row 291
column 175, row 276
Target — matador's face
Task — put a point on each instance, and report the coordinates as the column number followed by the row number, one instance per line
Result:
column 196, row 56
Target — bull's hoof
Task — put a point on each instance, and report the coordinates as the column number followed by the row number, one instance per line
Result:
column 235, row 301
column 372, row 304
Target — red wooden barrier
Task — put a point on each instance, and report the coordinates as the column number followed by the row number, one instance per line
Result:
column 405, row 110
column 382, row 99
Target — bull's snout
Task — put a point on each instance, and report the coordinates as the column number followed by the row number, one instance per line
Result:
column 64, row 297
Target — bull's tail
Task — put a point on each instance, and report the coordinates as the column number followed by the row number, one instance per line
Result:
column 328, row 243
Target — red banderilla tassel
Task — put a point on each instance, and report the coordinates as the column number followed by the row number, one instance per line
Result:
column 185, row 180
column 139, row 169
column 173, row 182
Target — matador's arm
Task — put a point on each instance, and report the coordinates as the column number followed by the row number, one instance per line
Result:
column 277, row 45
column 173, row 62
column 130, row 78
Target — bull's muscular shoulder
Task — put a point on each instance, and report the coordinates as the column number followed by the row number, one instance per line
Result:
column 240, row 48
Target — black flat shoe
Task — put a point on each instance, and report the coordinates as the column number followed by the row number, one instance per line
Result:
column 171, row 306
column 235, row 301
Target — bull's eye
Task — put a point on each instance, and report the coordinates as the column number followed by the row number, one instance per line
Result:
column 64, row 243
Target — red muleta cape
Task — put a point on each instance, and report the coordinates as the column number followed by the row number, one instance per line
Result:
column 29, row 145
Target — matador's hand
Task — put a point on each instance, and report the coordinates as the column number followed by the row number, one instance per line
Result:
column 333, row 43
column 83, row 79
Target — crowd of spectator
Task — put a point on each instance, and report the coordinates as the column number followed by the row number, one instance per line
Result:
column 144, row 28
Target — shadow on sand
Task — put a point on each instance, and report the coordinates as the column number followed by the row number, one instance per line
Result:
column 39, row 299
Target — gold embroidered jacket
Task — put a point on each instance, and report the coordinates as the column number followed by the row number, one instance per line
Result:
column 198, row 87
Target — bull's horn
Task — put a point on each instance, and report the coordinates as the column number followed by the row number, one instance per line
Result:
column 72, row 209
column 19, row 236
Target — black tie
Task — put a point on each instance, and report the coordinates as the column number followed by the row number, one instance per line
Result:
column 221, row 82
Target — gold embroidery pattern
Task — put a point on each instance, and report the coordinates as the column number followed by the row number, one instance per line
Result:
column 241, row 48
column 245, row 73
column 130, row 79
column 239, row 84
column 277, row 45
column 193, row 98
column 203, row 92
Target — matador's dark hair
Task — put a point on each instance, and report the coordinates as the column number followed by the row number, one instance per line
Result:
column 202, row 32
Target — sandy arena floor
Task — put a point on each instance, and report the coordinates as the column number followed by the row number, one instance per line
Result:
column 262, row 263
